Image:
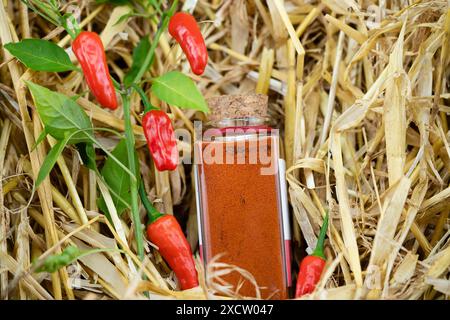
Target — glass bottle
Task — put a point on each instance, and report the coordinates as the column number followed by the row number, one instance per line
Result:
column 241, row 195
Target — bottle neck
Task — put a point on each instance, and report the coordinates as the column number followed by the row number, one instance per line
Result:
column 239, row 122
column 252, row 124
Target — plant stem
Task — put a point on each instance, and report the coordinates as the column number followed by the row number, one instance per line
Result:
column 129, row 135
column 148, row 106
column 152, row 213
column 157, row 8
column 149, row 58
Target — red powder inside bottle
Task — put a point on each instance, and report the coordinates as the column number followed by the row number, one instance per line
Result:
column 241, row 212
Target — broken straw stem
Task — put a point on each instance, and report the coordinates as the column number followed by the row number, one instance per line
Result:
column 332, row 93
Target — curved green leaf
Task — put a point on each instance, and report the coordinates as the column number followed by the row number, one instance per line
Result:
column 39, row 139
column 177, row 89
column 41, row 55
column 139, row 54
column 116, row 2
column 55, row 262
column 87, row 154
column 50, row 160
column 118, row 179
column 61, row 115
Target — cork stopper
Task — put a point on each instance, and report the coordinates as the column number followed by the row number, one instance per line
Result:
column 237, row 106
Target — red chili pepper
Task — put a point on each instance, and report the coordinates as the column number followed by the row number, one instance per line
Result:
column 184, row 29
column 165, row 232
column 89, row 50
column 161, row 140
column 312, row 266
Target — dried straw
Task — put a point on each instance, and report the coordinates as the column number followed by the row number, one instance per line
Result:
column 359, row 90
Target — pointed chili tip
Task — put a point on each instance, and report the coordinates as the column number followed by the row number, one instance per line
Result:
column 199, row 70
column 318, row 251
column 112, row 105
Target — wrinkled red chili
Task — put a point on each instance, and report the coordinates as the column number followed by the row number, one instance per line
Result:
column 89, row 50
column 161, row 140
column 184, row 29
column 312, row 266
column 165, row 232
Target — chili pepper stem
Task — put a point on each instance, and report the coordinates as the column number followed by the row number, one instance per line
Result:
column 147, row 105
column 70, row 24
column 152, row 213
column 318, row 251
column 129, row 135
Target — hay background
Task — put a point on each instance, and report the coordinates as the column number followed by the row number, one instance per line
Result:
column 359, row 90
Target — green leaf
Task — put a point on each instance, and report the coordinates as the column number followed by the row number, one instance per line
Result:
column 87, row 154
column 61, row 115
column 50, row 160
column 177, row 89
column 48, row 11
column 153, row 3
column 118, row 179
column 55, row 262
column 115, row 2
column 139, row 54
column 41, row 55
column 41, row 138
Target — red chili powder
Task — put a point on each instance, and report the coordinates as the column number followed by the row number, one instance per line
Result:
column 241, row 216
